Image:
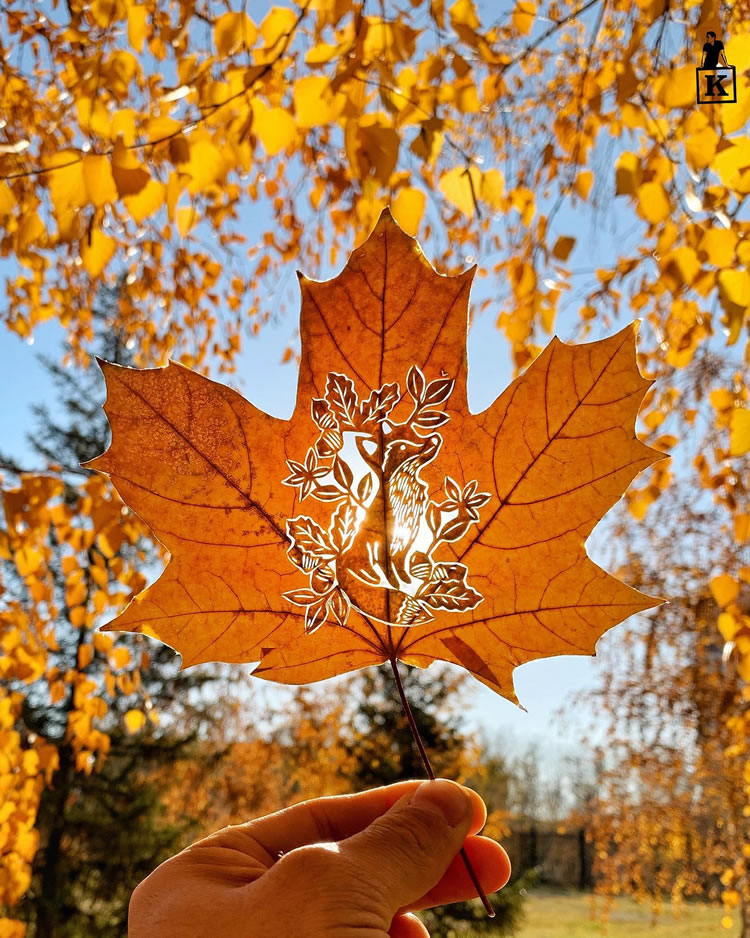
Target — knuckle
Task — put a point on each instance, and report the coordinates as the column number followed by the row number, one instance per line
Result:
column 313, row 861
column 423, row 828
column 408, row 837
column 330, row 890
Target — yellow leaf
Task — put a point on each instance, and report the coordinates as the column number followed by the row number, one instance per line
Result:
column 731, row 898
column 653, row 202
column 734, row 117
column 137, row 17
column 463, row 13
column 278, row 23
column 108, row 542
column 372, row 150
column 408, row 208
column 627, row 174
column 721, row 399
column 123, row 125
column 522, row 200
column 728, row 626
column 7, row 199
column 130, row 177
column 638, row 507
column 320, row 54
column 85, row 656
column 732, row 162
column 734, row 289
column 179, row 149
column 719, row 244
column 186, row 218
column 120, row 657
column 683, row 261
column 27, row 560
column 467, row 99
column 233, row 31
column 314, row 103
column 98, row 178
column 175, row 186
column 93, row 117
column 159, row 128
column 725, row 589
column 134, row 720
column 30, row 230
column 584, row 181
column 102, row 642
column 206, row 165
column 678, row 88
column 106, row 12
column 388, row 40
column 563, row 247
column 738, row 47
column 456, row 186
column 149, row 200
column 739, row 431
column 12, row 928
column 523, row 17
column 67, row 188
column 700, row 148
column 274, row 127
column 96, row 251
column 493, row 186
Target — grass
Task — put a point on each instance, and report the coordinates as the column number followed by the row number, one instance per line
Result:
column 572, row 915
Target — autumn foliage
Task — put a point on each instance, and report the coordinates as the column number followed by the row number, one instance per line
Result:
column 192, row 156
column 63, row 566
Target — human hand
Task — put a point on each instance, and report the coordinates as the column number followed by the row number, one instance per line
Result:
column 351, row 865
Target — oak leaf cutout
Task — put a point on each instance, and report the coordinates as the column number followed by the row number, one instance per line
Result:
column 384, row 521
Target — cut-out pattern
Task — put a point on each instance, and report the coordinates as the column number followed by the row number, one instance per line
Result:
column 385, row 529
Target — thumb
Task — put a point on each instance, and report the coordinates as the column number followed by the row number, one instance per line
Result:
column 405, row 851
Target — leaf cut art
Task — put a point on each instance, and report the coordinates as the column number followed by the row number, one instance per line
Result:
column 384, row 521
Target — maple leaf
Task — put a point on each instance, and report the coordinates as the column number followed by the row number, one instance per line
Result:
column 436, row 533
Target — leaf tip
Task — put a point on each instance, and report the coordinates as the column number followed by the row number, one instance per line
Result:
column 97, row 464
column 386, row 217
column 106, row 367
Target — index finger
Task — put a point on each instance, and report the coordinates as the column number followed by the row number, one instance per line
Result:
column 322, row 820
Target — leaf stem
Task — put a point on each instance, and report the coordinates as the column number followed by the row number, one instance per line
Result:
column 431, row 775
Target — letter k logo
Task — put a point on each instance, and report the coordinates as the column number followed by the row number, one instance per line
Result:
column 714, row 86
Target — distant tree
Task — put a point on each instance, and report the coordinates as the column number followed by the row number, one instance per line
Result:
column 382, row 750
column 381, row 742
column 669, row 818
column 100, row 816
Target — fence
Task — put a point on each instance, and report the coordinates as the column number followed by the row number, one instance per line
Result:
column 563, row 858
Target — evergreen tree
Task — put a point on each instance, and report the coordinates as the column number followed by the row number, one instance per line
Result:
column 102, row 833
column 383, row 747
column 383, row 751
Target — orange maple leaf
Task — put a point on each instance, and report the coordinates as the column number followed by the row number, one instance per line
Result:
column 384, row 521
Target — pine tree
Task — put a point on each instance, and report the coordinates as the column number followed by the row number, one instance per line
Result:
column 102, row 833
column 383, row 747
column 383, row 751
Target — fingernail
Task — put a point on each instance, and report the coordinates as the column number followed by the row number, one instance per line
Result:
column 446, row 798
